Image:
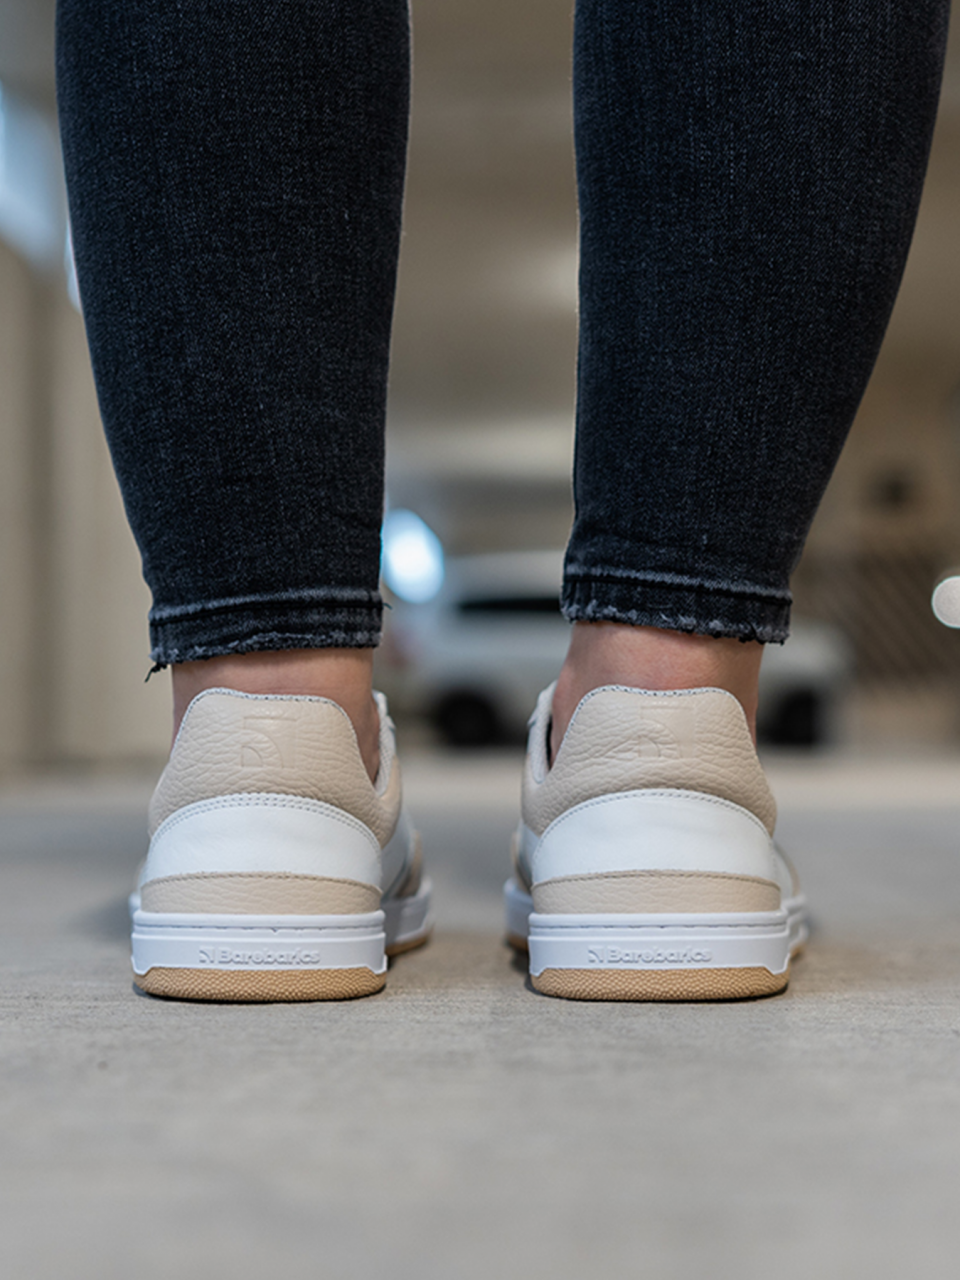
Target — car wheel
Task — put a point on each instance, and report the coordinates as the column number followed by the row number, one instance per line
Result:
column 467, row 720
column 797, row 721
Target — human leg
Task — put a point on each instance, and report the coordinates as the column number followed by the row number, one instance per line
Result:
column 749, row 180
column 235, row 176
column 603, row 653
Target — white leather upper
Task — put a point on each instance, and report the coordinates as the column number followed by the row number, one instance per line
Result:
column 264, row 833
column 654, row 830
column 397, row 854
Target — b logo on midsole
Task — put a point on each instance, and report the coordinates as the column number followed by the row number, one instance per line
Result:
column 648, row 955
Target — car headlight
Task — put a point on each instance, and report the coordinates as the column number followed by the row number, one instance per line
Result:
column 412, row 557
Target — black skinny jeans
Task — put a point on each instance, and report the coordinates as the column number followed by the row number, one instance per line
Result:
column 749, row 176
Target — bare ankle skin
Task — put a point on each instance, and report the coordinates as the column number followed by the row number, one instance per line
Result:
column 646, row 658
column 343, row 675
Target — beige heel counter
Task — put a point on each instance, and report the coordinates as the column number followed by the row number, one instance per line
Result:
column 625, row 740
column 243, row 743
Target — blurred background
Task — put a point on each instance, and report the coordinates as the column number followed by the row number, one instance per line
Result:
column 480, row 435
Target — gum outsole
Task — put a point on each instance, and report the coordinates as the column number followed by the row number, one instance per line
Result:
column 659, row 984
column 260, row 985
column 263, row 986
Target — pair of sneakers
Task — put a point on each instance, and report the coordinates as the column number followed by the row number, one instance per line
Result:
column 644, row 866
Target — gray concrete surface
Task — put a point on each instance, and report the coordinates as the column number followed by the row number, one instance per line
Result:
column 460, row 1125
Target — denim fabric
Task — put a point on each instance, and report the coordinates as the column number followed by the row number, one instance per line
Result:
column 749, row 176
column 235, row 172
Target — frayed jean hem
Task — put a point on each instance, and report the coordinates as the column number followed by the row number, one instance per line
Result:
column 683, row 605
column 249, row 624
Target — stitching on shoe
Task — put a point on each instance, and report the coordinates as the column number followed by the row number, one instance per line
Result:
column 266, row 800
column 655, row 693
column 700, row 797
column 259, row 877
column 640, row 873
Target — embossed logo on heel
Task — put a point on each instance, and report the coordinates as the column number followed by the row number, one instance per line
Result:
column 671, row 734
column 268, row 742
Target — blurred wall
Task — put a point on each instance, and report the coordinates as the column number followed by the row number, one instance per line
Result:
column 481, row 406
column 890, row 522
column 19, row 535
column 73, row 634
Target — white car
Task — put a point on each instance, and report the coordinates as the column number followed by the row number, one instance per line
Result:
column 474, row 658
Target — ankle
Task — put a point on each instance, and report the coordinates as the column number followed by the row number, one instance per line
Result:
column 603, row 653
column 345, row 676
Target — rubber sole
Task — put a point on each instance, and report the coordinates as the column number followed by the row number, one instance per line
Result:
column 274, row 958
column 664, row 984
column 719, row 956
column 259, row 985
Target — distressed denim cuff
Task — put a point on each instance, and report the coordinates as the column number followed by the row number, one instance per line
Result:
column 677, row 603
column 348, row 618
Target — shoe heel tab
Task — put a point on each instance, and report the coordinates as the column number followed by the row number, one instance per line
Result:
column 625, row 739
column 215, row 704
column 704, row 701
column 211, row 705
column 593, row 703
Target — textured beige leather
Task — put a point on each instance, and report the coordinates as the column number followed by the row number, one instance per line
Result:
column 626, row 740
column 232, row 743
column 259, row 893
column 655, row 891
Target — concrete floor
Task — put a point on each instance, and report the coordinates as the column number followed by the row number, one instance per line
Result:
column 460, row 1125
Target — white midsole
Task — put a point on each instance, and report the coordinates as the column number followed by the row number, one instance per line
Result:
column 741, row 940
column 518, row 907
column 167, row 940
column 409, row 919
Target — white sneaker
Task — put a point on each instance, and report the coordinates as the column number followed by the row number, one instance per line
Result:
column 276, row 870
column 645, row 866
